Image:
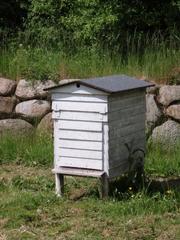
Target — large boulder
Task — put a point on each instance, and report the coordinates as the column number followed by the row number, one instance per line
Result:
column 7, row 87
column 168, row 133
column 30, row 90
column 153, row 89
column 33, row 108
column 169, row 94
column 46, row 125
column 174, row 111
column 15, row 126
column 7, row 104
column 153, row 113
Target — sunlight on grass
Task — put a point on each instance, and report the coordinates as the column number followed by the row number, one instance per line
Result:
column 35, row 63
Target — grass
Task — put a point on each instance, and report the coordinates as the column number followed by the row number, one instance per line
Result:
column 29, row 208
column 31, row 151
column 163, row 160
column 38, row 150
column 160, row 63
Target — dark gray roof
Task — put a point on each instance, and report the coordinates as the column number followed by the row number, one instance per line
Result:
column 110, row 84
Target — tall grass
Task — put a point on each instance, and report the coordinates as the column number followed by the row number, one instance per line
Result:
column 163, row 160
column 29, row 150
column 155, row 59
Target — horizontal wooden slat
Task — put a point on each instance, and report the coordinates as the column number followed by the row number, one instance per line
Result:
column 78, row 153
column 80, row 135
column 122, row 122
column 126, row 103
column 127, row 112
column 80, row 106
column 78, row 172
column 126, row 95
column 86, row 116
column 128, row 138
column 78, row 97
column 80, row 163
column 116, row 131
column 80, row 125
column 91, row 145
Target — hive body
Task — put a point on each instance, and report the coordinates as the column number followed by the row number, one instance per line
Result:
column 94, row 129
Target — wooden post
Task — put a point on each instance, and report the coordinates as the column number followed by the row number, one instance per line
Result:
column 59, row 179
column 104, row 186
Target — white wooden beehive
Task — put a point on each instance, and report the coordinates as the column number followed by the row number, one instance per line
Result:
column 94, row 119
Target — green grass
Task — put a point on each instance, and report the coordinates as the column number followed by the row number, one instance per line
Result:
column 29, row 208
column 31, row 150
column 160, row 63
column 38, row 150
column 163, row 160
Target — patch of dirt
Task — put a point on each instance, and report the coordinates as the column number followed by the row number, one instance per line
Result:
column 9, row 171
column 171, row 233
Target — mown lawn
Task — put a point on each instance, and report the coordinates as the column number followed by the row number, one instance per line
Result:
column 29, row 209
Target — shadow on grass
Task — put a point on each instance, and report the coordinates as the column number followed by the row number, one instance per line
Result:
column 123, row 189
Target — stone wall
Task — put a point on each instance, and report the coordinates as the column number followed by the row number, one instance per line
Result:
column 25, row 107
column 163, row 113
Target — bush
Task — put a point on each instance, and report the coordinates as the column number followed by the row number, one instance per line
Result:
column 87, row 22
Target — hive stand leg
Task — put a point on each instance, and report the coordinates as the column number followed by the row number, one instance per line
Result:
column 104, row 186
column 59, row 180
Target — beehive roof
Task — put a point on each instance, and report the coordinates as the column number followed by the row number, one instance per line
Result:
column 109, row 84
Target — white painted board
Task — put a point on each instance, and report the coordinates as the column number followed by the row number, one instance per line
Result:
column 79, row 153
column 80, row 125
column 73, row 88
column 75, row 144
column 79, row 106
column 82, row 116
column 78, row 97
column 80, row 135
column 80, row 163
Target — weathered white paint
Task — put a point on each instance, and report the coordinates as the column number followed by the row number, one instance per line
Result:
column 80, row 106
column 80, row 125
column 106, row 147
column 78, row 97
column 78, row 172
column 88, row 145
column 80, row 153
column 79, row 135
column 80, row 163
column 79, row 116
column 91, row 129
column 74, row 89
column 126, row 125
column 126, row 103
column 126, row 112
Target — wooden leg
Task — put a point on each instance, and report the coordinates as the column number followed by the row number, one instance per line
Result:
column 59, row 179
column 104, row 186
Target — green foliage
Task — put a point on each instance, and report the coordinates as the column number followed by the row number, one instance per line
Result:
column 90, row 23
column 85, row 22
